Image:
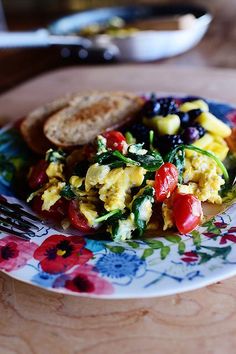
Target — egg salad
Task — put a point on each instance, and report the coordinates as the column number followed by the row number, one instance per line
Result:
column 169, row 161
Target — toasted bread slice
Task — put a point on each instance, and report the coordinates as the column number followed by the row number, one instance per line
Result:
column 90, row 114
column 32, row 125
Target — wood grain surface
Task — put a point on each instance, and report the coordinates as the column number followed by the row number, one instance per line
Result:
column 33, row 321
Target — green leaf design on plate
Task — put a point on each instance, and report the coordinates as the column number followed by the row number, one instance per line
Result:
column 173, row 238
column 219, row 251
column 211, row 227
column 196, row 237
column 147, row 253
column 181, row 247
column 164, row 252
column 155, row 244
column 205, row 257
column 116, row 249
column 133, row 244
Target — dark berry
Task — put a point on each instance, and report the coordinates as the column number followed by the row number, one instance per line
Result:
column 190, row 135
column 166, row 143
column 201, row 130
column 151, row 108
column 167, row 106
column 184, row 118
column 191, row 98
column 141, row 133
column 194, row 113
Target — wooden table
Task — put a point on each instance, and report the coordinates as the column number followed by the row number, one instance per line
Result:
column 33, row 321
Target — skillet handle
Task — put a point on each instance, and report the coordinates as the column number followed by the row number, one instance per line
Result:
column 38, row 38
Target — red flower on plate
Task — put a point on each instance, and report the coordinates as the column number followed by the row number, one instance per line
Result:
column 232, row 229
column 15, row 253
column 59, row 253
column 232, row 116
column 189, row 257
column 227, row 237
column 84, row 280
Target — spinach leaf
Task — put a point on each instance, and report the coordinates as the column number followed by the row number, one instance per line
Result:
column 114, row 214
column 125, row 159
column 137, row 208
column 55, row 156
column 67, row 192
column 151, row 139
column 149, row 175
column 151, row 161
column 101, row 144
column 81, row 168
column 109, row 158
column 178, row 159
column 130, row 138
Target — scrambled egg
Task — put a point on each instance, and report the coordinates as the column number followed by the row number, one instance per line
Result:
column 55, row 170
column 52, row 194
column 89, row 211
column 202, row 177
column 114, row 185
column 145, row 210
column 167, row 215
column 76, row 181
column 53, row 189
column 95, row 175
column 125, row 228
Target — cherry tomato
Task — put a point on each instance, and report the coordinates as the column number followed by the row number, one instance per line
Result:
column 187, row 212
column 115, row 140
column 56, row 212
column 166, row 180
column 38, row 176
column 77, row 219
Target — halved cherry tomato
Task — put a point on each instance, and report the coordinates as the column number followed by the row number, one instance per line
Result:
column 166, row 180
column 56, row 212
column 77, row 219
column 187, row 212
column 115, row 140
column 38, row 176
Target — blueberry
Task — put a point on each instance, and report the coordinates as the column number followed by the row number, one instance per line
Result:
column 151, row 108
column 201, row 130
column 184, row 118
column 194, row 113
column 167, row 106
column 141, row 133
column 190, row 135
column 166, row 143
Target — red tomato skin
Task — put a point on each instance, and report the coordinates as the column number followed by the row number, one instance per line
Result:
column 57, row 212
column 166, row 180
column 77, row 219
column 115, row 140
column 187, row 212
column 38, row 176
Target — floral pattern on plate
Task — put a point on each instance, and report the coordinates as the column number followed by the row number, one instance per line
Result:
column 83, row 266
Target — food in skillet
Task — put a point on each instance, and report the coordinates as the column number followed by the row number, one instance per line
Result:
column 153, row 173
column 118, row 27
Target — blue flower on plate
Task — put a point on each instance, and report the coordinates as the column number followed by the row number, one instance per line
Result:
column 220, row 110
column 44, row 279
column 94, row 245
column 119, row 265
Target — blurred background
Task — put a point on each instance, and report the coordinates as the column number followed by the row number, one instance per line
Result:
column 217, row 49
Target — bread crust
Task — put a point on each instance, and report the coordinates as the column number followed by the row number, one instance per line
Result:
column 89, row 114
column 32, row 126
